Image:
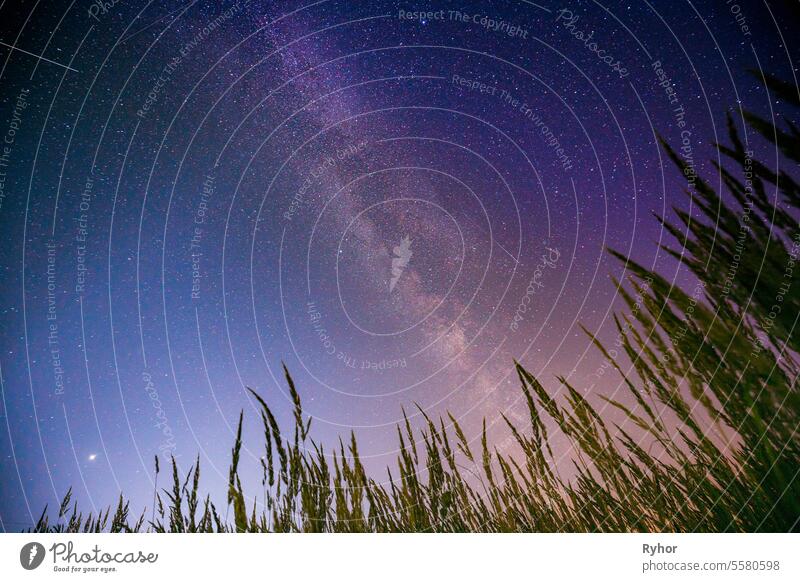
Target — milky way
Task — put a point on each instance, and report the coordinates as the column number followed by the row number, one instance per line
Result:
column 396, row 200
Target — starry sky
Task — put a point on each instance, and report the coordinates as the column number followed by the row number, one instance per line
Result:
column 395, row 199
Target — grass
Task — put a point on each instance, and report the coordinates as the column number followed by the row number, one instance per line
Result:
column 711, row 442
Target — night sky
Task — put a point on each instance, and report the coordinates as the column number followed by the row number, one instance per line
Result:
column 396, row 205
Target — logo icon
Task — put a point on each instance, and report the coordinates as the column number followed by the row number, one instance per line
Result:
column 402, row 255
column 31, row 555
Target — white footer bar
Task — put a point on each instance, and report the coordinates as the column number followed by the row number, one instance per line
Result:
column 415, row 557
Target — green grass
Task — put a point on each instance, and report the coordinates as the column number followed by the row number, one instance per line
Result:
column 710, row 442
